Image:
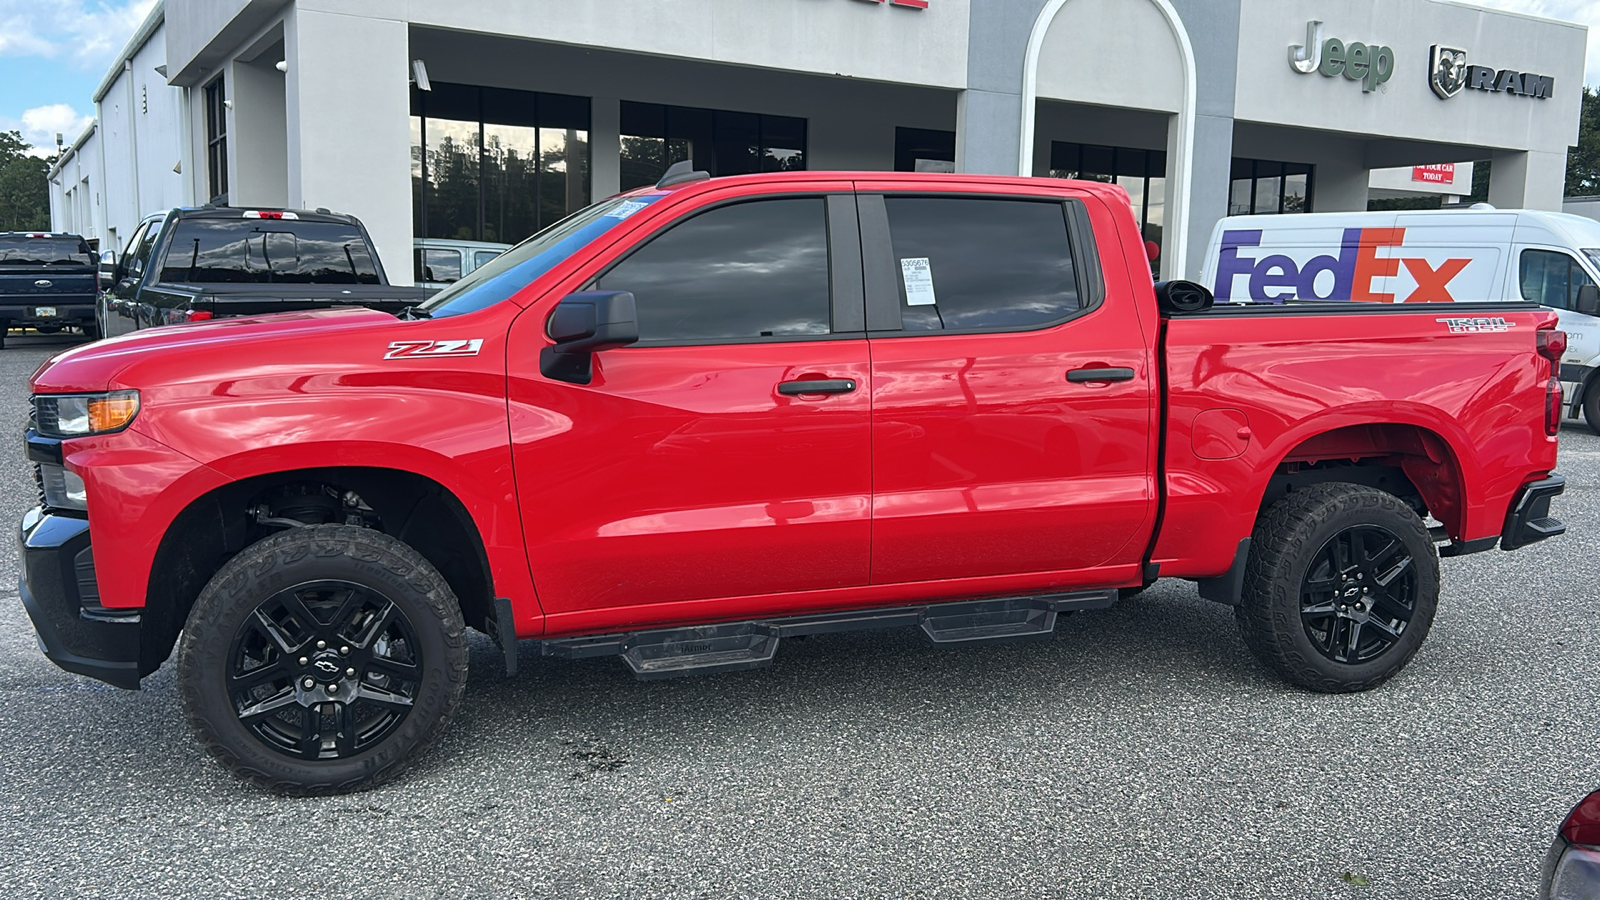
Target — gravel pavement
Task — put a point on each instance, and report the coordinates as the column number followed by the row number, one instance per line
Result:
column 1140, row 753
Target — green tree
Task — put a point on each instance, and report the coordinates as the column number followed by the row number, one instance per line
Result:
column 1583, row 161
column 24, row 193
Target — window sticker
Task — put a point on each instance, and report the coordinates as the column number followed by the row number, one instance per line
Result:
column 918, row 276
column 625, row 209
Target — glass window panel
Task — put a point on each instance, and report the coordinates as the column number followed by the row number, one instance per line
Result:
column 1576, row 278
column 1239, row 197
column 563, row 174
column 507, row 107
column 644, row 160
column 1155, row 218
column 740, row 272
column 644, row 119
column 452, row 101
column 738, row 143
column 1134, row 185
column 510, row 158
column 1268, row 191
column 418, row 190
column 912, row 144
column 1099, row 163
column 994, row 263
column 438, row 265
column 1295, row 193
column 1130, row 162
column 220, row 251
column 1544, row 278
column 1064, row 159
column 564, row 111
column 783, row 144
column 693, row 129
column 452, row 199
column 482, row 257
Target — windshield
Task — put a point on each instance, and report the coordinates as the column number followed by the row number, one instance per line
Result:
column 516, row 268
column 244, row 251
column 1594, row 256
column 45, row 251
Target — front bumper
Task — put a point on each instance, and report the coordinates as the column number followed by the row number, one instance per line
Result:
column 1529, row 520
column 58, row 590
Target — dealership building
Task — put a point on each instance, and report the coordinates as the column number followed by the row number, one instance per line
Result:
column 488, row 120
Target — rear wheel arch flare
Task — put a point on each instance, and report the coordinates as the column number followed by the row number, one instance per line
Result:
column 1391, row 456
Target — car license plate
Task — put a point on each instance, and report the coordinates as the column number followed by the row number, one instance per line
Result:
column 44, row 312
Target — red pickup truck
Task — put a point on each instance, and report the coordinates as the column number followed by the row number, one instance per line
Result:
column 696, row 419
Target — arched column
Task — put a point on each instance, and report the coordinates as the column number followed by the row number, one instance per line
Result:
column 1175, row 256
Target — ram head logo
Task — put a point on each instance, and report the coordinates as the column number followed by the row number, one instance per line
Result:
column 1449, row 67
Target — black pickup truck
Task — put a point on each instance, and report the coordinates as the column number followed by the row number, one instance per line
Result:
column 188, row 265
column 47, row 282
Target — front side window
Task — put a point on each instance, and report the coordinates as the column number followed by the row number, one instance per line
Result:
column 1551, row 279
column 967, row 264
column 144, row 247
column 234, row 251
column 735, row 273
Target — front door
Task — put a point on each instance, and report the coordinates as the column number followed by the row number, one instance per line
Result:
column 694, row 476
column 1013, row 390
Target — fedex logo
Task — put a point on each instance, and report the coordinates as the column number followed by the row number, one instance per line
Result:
column 1357, row 272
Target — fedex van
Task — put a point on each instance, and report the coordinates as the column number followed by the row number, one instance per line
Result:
column 1466, row 255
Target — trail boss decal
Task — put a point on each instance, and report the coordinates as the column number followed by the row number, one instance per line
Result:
column 1476, row 325
column 433, row 349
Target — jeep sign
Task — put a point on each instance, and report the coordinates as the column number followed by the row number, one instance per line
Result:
column 1369, row 64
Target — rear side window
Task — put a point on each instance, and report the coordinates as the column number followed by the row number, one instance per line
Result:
column 245, row 251
column 48, row 251
column 438, row 265
column 968, row 263
column 1551, row 279
column 735, row 273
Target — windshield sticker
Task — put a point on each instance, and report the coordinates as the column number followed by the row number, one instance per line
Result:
column 409, row 349
column 1476, row 325
column 918, row 276
column 625, row 209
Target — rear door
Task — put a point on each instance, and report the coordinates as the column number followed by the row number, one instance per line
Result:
column 1013, row 392
column 692, row 471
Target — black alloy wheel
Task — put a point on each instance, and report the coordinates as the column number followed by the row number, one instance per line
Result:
column 323, row 659
column 1340, row 588
column 1358, row 594
column 325, row 670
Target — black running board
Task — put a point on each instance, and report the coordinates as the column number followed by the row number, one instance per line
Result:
column 736, row 646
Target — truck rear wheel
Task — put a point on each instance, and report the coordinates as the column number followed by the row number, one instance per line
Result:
column 1340, row 588
column 322, row 660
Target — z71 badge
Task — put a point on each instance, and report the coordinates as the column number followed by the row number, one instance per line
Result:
column 433, row 349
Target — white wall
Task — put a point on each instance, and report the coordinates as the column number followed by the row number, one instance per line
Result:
column 1111, row 53
column 140, row 141
column 1269, row 91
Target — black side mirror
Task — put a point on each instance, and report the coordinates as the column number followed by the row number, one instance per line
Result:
column 582, row 325
column 1588, row 301
column 108, row 269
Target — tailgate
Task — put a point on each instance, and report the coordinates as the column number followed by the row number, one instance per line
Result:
column 34, row 287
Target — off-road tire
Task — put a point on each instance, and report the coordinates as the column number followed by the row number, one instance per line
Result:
column 296, row 557
column 1287, row 541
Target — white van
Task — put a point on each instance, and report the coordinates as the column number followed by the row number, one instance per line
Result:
column 438, row 262
column 1463, row 255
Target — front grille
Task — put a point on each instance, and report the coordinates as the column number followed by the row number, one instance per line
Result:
column 38, row 482
column 33, row 425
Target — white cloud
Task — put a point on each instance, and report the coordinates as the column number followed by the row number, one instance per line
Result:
column 40, row 125
column 83, row 33
column 1584, row 12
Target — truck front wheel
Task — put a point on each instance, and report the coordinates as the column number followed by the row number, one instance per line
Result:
column 1591, row 404
column 1340, row 587
column 322, row 660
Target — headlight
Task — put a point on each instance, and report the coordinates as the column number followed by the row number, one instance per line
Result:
column 76, row 415
column 63, row 489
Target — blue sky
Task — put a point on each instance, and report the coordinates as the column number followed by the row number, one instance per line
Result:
column 53, row 54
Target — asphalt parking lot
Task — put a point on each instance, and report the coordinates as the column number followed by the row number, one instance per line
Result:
column 1140, row 753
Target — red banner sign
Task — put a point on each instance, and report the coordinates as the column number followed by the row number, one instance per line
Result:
column 1442, row 173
